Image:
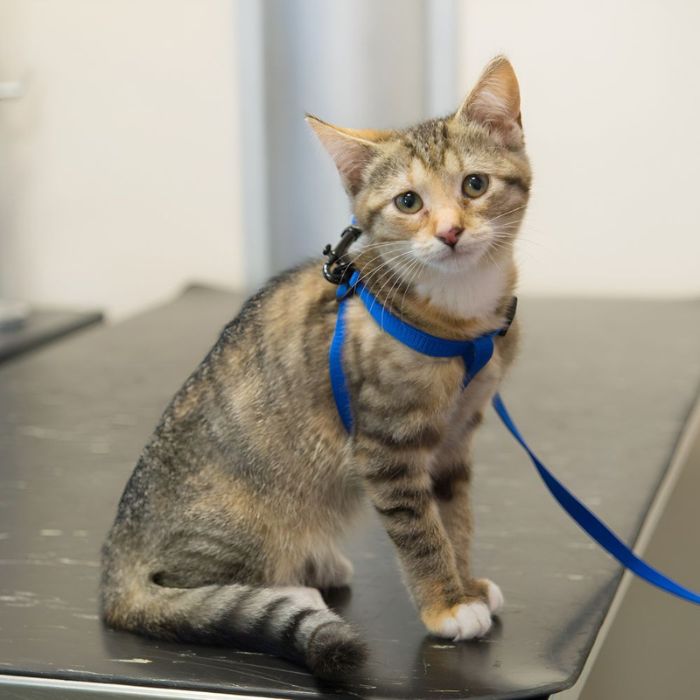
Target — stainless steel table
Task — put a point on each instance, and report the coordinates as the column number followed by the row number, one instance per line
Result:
column 602, row 390
column 43, row 326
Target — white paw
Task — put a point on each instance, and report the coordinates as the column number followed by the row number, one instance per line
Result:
column 303, row 596
column 465, row 621
column 494, row 595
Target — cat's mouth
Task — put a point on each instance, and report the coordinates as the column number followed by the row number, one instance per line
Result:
column 463, row 254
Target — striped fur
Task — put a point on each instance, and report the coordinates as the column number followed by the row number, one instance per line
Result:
column 227, row 527
column 288, row 621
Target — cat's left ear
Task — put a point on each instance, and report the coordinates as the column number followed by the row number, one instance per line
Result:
column 351, row 149
column 495, row 103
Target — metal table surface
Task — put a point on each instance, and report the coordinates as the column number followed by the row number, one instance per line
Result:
column 602, row 390
column 43, row 326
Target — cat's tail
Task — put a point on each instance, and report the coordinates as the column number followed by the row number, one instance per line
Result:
column 285, row 622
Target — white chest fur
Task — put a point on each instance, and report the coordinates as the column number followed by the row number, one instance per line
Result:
column 469, row 294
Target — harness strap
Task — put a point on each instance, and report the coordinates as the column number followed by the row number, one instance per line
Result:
column 476, row 354
column 589, row 522
column 338, row 381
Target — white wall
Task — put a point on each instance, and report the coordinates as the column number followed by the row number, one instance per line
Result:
column 123, row 173
column 119, row 174
column 611, row 106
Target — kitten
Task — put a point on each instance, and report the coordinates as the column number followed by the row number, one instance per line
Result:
column 227, row 527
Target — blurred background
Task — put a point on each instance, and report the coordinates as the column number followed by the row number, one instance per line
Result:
column 148, row 143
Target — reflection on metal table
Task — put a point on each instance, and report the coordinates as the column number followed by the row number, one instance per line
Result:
column 600, row 395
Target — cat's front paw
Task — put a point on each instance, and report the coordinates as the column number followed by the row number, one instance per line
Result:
column 494, row 596
column 461, row 621
column 487, row 590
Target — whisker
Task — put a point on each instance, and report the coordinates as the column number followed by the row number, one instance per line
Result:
column 418, row 266
column 505, row 213
column 402, row 274
column 493, row 260
column 401, row 264
column 382, row 244
column 386, row 262
column 377, row 257
column 394, row 273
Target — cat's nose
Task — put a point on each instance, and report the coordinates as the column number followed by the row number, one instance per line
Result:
column 451, row 236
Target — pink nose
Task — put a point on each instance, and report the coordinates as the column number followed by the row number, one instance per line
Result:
column 450, row 237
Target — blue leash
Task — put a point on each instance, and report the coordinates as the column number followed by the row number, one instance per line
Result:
column 476, row 354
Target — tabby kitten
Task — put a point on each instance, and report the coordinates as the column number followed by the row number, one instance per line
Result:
column 227, row 527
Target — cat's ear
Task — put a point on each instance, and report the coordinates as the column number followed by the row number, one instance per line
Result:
column 351, row 149
column 495, row 103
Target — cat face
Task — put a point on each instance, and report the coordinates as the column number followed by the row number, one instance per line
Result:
column 447, row 193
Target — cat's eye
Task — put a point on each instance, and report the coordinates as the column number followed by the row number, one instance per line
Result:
column 475, row 185
column 409, row 202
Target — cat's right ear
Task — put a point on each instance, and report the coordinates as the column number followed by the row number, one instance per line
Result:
column 351, row 149
column 495, row 103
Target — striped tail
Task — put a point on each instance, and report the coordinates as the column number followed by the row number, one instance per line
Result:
column 284, row 622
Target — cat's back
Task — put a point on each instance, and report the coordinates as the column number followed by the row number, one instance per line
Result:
column 248, row 398
column 282, row 325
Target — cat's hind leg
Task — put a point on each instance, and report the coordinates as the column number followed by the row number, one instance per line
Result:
column 328, row 567
column 292, row 621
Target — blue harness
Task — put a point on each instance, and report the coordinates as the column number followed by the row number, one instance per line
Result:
column 476, row 355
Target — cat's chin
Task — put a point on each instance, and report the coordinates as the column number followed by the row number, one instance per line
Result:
column 457, row 260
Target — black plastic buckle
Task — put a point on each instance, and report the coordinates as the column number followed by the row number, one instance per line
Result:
column 510, row 315
column 336, row 272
